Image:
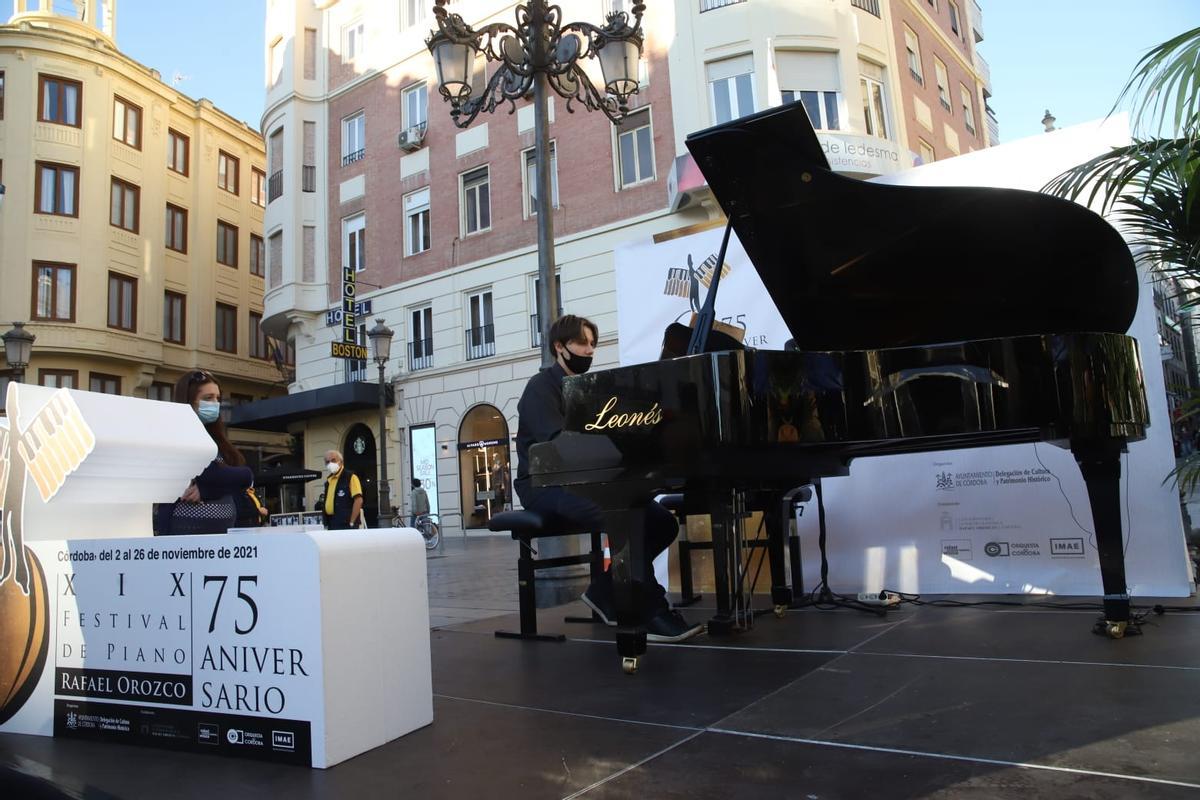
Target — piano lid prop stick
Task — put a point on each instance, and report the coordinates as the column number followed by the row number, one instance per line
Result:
column 708, row 314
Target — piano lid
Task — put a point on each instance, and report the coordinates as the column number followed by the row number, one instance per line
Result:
column 857, row 265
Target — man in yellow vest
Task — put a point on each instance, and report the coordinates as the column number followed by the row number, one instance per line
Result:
column 343, row 494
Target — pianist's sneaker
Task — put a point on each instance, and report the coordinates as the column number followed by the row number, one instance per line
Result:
column 670, row 626
column 599, row 598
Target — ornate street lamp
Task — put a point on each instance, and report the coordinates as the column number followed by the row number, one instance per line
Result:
column 18, row 345
column 540, row 51
column 381, row 344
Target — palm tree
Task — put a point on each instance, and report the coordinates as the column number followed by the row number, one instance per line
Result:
column 1152, row 182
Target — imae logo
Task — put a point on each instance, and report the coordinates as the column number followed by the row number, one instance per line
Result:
column 686, row 281
column 42, row 448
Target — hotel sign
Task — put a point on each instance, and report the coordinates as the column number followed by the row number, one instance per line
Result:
column 347, row 346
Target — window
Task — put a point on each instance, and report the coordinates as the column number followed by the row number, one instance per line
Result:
column 968, row 108
column 353, row 40
column 927, row 154
column 258, row 187
column 943, row 83
column 873, row 108
column 420, row 347
column 59, row 100
column 275, row 157
column 535, row 320
column 354, row 242
column 176, row 229
column 59, row 378
column 354, row 131
column 227, row 244
column 127, row 123
column 530, row 178
column 227, row 172
column 310, row 54
column 122, row 302
column 105, row 384
column 481, row 335
column 53, row 292
column 226, row 336
column 416, row 222
column 416, row 106
column 259, row 347
column 635, row 149
column 124, row 199
column 822, row 107
column 177, row 152
column 912, row 48
column 731, row 88
column 954, row 24
column 162, row 392
column 258, row 256
column 174, row 316
column 415, row 12
column 278, row 49
column 476, row 201
column 1, row 94
column 57, row 190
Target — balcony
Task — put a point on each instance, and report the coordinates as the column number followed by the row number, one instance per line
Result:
column 357, row 155
column 420, row 354
column 355, row 370
column 984, row 70
column 275, row 186
column 709, row 5
column 916, row 76
column 481, row 342
column 977, row 22
column 945, row 104
column 869, row 6
column 308, row 177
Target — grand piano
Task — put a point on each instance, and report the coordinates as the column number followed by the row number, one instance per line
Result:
column 924, row 318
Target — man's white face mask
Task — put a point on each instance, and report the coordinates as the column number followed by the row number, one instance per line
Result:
column 332, row 467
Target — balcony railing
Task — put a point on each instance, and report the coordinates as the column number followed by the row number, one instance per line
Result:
column 869, row 6
column 945, row 103
column 355, row 370
column 275, row 186
column 420, row 354
column 308, row 176
column 918, row 77
column 357, row 155
column 709, row 5
column 481, row 342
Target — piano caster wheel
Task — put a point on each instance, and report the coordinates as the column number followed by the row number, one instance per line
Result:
column 1116, row 630
column 629, row 665
column 779, row 611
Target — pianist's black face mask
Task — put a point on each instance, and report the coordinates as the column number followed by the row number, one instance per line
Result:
column 576, row 363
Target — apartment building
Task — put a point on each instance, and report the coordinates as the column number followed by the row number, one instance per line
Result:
column 131, row 222
column 366, row 170
column 944, row 82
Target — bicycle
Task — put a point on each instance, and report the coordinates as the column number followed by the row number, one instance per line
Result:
column 427, row 525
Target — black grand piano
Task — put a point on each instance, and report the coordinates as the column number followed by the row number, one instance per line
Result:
column 925, row 318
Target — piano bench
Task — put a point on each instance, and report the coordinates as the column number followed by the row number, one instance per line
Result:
column 525, row 526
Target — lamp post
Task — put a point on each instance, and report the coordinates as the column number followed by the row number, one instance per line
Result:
column 381, row 344
column 18, row 345
column 540, row 52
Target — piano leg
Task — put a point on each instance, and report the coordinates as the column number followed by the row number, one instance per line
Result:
column 777, row 525
column 1100, row 463
column 628, row 568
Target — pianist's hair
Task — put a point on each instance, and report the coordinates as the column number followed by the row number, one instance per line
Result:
column 569, row 328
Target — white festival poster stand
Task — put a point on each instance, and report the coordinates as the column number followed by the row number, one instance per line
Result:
column 1004, row 520
column 266, row 646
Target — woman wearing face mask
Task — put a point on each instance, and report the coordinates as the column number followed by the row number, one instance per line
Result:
column 208, row 504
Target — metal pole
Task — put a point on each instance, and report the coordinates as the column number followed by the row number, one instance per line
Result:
column 547, row 282
column 385, row 500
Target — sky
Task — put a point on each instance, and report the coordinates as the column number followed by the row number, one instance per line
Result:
column 1069, row 56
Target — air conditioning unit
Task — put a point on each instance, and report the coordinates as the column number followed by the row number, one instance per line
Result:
column 411, row 138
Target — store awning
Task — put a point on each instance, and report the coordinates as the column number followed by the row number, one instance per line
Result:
column 274, row 476
column 276, row 413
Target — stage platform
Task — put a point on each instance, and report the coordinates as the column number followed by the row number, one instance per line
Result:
column 1022, row 702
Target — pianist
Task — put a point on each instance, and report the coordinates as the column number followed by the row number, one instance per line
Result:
column 540, row 413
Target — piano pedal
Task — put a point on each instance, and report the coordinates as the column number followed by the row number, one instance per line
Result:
column 780, row 608
column 629, row 665
column 1117, row 629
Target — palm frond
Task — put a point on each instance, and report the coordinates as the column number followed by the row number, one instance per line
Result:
column 1166, row 80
